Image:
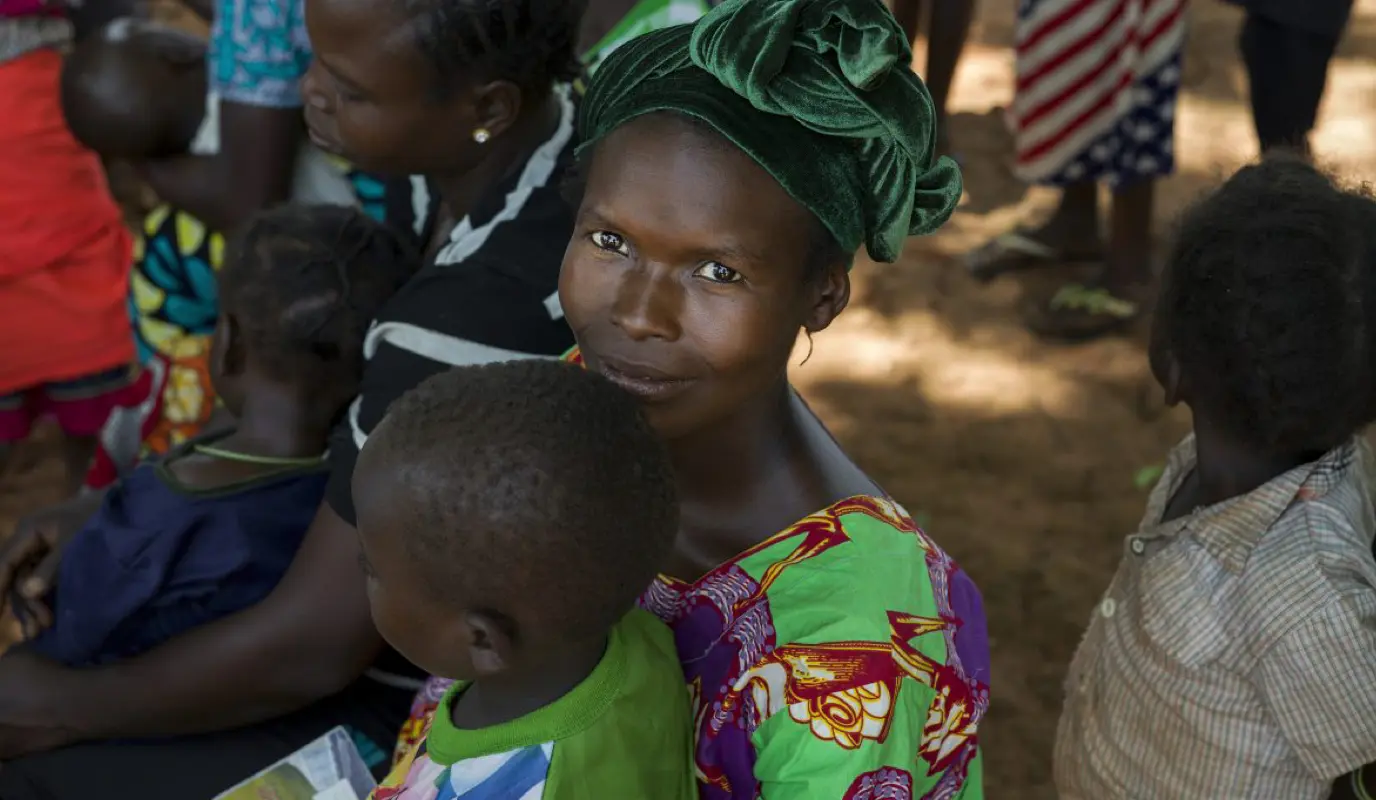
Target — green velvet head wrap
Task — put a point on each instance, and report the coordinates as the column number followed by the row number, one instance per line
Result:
column 818, row 92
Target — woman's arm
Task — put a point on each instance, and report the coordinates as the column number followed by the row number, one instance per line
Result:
column 252, row 170
column 310, row 638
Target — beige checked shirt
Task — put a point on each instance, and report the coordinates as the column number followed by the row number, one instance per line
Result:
column 1234, row 654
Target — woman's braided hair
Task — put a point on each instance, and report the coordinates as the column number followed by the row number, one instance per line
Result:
column 531, row 43
column 1269, row 307
column 303, row 283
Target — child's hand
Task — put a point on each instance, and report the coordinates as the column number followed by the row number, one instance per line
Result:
column 30, row 557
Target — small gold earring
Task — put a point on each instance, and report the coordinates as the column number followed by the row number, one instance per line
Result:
column 481, row 135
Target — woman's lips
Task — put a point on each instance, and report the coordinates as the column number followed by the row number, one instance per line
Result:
column 321, row 142
column 644, row 382
column 319, row 139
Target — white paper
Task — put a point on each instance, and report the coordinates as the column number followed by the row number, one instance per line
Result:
column 329, row 768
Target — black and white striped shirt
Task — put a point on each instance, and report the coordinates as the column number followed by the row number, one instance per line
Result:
column 491, row 294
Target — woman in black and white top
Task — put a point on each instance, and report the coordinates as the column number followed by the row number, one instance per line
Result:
column 477, row 100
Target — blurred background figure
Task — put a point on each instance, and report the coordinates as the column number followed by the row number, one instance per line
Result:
column 1286, row 45
column 64, row 252
column 1094, row 104
column 948, row 26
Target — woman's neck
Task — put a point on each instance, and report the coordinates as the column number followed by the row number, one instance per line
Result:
column 277, row 422
column 732, row 458
column 749, row 476
column 461, row 191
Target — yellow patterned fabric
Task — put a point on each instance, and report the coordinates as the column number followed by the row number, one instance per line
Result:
column 174, row 303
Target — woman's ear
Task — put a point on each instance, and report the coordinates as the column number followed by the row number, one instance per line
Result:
column 829, row 296
column 227, row 355
column 496, row 106
column 1173, row 381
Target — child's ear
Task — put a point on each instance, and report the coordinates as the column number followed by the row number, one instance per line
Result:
column 227, row 347
column 490, row 642
column 1173, row 382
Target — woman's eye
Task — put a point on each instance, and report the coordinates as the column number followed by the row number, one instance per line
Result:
column 611, row 242
column 718, row 273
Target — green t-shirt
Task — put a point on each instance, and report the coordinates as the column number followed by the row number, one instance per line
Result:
column 625, row 731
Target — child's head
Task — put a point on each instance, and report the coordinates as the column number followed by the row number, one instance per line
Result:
column 1265, row 323
column 299, row 287
column 135, row 90
column 509, row 512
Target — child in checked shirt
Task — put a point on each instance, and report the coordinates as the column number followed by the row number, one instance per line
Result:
column 1234, row 654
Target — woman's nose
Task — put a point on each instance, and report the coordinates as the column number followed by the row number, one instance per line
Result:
column 648, row 303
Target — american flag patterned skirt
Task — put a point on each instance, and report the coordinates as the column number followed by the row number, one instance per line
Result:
column 1097, row 82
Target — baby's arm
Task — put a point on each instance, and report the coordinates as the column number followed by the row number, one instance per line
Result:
column 252, row 170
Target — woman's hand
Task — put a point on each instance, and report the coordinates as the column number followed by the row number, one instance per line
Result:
column 29, row 558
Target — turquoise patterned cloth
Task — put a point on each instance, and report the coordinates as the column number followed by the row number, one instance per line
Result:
column 259, row 51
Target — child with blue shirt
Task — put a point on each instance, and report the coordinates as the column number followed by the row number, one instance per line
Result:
column 210, row 529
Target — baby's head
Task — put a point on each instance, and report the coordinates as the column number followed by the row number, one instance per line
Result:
column 509, row 513
column 1266, row 325
column 135, row 90
column 299, row 287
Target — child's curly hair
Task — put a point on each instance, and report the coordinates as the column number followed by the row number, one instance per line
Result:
column 303, row 283
column 1267, row 307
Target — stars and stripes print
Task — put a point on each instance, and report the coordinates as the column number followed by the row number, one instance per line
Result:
column 1097, row 82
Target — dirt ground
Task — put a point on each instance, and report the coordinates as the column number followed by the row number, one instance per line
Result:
column 1019, row 457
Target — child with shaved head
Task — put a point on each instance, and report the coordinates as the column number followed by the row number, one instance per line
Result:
column 508, row 516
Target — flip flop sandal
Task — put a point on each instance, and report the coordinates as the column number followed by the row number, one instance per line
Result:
column 1146, row 477
column 1014, row 251
column 1077, row 313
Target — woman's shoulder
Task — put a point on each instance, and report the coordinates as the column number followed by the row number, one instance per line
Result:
column 849, row 627
column 858, row 570
column 852, row 536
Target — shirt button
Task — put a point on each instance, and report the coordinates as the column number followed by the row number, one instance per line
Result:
column 1108, row 607
column 1138, row 546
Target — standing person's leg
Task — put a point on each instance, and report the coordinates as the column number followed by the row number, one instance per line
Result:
column 1136, row 150
column 946, row 36
column 1113, row 298
column 16, row 420
column 947, row 30
column 1287, row 70
column 82, row 406
column 1070, row 234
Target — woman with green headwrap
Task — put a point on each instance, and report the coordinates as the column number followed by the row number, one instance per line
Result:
column 832, row 650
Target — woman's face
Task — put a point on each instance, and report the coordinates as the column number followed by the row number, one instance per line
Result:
column 370, row 94
column 685, row 281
